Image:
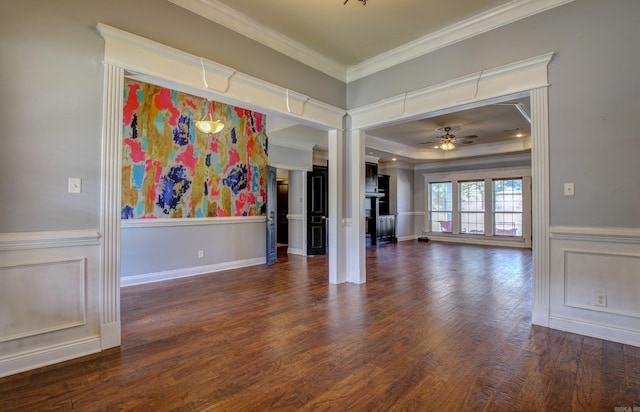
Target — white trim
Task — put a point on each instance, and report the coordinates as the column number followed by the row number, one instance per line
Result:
column 110, row 205
column 504, row 241
column 478, row 163
column 481, row 23
column 499, row 173
column 295, row 217
column 405, row 238
column 596, row 234
column 335, row 238
column 153, row 62
column 473, row 90
column 36, row 266
column 541, row 266
column 49, row 355
column 595, row 330
column 48, row 239
column 248, row 27
column 200, row 221
column 524, row 77
column 491, row 19
column 296, row 251
column 411, row 213
column 188, row 272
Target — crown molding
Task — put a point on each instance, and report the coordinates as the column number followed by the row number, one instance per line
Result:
column 248, row 27
column 481, row 23
column 488, row 149
column 503, row 162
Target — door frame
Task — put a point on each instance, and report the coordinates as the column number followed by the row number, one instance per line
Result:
column 153, row 62
column 524, row 76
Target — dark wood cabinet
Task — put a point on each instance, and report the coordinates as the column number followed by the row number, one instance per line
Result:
column 386, row 229
column 383, row 189
column 380, row 225
column 371, row 178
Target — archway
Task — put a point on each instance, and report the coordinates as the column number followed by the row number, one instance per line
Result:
column 525, row 76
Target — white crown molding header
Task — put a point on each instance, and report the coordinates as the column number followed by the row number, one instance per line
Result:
column 150, row 61
column 492, row 19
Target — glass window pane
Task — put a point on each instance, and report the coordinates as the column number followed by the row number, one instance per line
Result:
column 441, row 206
column 507, row 207
column 472, row 223
column 471, row 200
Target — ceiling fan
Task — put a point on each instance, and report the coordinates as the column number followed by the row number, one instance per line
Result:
column 448, row 141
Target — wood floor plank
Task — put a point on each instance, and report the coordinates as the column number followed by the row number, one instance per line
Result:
column 436, row 327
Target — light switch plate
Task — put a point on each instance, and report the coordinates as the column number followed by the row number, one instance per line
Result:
column 75, row 185
column 569, row 189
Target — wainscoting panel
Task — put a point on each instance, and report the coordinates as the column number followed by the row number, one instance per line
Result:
column 49, row 298
column 50, row 295
column 608, row 289
column 595, row 282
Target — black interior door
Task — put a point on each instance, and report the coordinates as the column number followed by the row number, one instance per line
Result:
column 317, row 211
column 272, row 246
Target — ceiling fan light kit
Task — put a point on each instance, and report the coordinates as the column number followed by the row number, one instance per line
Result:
column 447, row 146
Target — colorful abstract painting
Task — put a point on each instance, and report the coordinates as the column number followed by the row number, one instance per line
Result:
column 170, row 169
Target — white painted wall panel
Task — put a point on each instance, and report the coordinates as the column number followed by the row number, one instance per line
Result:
column 616, row 275
column 43, row 297
column 50, row 290
column 587, row 260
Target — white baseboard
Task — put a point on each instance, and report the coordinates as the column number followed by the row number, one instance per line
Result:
column 294, row 251
column 595, row 330
column 478, row 240
column 21, row 362
column 186, row 272
column 410, row 237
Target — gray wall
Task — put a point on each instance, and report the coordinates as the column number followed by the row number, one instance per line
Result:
column 160, row 249
column 51, row 71
column 594, row 100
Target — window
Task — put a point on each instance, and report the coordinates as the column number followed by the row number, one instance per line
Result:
column 507, row 207
column 472, row 207
column 441, row 206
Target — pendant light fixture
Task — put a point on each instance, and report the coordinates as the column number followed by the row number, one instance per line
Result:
column 208, row 125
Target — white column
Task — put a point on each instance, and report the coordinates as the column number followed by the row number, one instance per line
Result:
column 455, row 207
column 337, row 254
column 526, row 210
column 356, row 249
column 540, row 204
column 110, row 206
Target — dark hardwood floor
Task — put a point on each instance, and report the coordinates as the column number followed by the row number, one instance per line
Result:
column 437, row 327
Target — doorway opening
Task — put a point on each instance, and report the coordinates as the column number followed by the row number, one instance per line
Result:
column 282, row 229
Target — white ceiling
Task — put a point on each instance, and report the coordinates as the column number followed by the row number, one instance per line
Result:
column 352, row 40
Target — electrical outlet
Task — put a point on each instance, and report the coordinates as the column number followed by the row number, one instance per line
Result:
column 200, row 254
column 601, row 298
